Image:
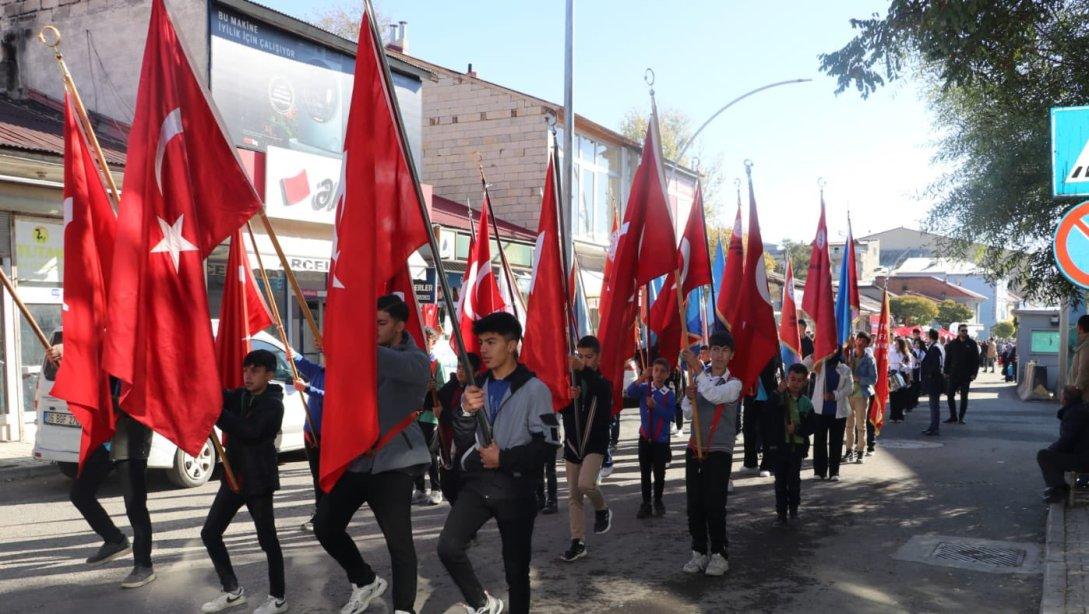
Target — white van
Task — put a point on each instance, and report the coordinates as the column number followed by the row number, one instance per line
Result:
column 58, row 433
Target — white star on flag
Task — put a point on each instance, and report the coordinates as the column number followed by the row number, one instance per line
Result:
column 173, row 242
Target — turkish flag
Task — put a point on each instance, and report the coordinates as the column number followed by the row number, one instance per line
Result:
column 242, row 314
column 693, row 261
column 378, row 225
column 755, row 336
column 645, row 249
column 817, row 300
column 89, row 228
column 665, row 320
column 479, row 289
column 545, row 345
column 790, row 337
column 185, row 192
column 730, row 288
column 881, row 353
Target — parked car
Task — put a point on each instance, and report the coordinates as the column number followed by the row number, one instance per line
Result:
column 58, row 433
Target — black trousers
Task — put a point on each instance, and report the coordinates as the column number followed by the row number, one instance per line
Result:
column 898, row 402
column 133, row 475
column 788, row 478
column 705, row 485
column 871, row 431
column 653, row 457
column 754, row 440
column 432, row 469
column 224, row 508
column 956, row 386
column 678, row 416
column 313, row 456
column 450, row 483
column 546, row 482
column 828, row 445
column 1054, row 464
column 389, row 495
column 514, row 517
column 614, row 431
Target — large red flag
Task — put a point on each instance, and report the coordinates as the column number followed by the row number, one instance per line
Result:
column 664, row 318
column 379, row 225
column 545, row 344
column 645, row 249
column 89, row 227
column 242, row 314
column 693, row 261
column 817, row 301
column 185, row 192
column 730, row 287
column 479, row 288
column 755, row 337
column 881, row 354
column 790, row 335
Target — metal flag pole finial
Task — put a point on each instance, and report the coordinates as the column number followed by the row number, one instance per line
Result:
column 648, row 77
column 748, row 170
column 820, row 184
column 53, row 40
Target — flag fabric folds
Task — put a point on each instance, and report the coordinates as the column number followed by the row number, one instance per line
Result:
column 479, row 288
column 817, row 300
column 242, row 314
column 89, row 228
column 546, row 340
column 847, row 303
column 790, row 339
column 718, row 270
column 645, row 249
column 378, row 225
column 728, row 291
column 693, row 261
column 754, row 332
column 881, row 354
column 185, row 191
column 665, row 320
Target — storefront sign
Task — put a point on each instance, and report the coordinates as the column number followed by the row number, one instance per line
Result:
column 39, row 250
column 425, row 288
column 301, row 186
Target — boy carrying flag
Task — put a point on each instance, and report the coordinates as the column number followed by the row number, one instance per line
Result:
column 250, row 419
column 788, row 426
column 656, row 408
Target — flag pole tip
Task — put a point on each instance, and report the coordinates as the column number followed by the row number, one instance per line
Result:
column 648, row 76
column 53, row 39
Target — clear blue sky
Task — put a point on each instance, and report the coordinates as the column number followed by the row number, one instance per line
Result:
column 874, row 154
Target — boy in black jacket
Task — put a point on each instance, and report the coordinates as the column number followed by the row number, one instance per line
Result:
column 586, row 427
column 250, row 419
column 449, row 397
column 789, row 412
column 498, row 476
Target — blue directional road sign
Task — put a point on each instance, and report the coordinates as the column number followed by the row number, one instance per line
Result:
column 1070, row 151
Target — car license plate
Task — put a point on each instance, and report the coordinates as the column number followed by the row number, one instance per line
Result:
column 59, row 419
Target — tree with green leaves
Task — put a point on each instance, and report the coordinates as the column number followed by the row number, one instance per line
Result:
column 1004, row 330
column 913, row 310
column 950, row 311
column 799, row 253
column 994, row 70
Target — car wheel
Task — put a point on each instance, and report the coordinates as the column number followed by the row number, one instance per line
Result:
column 68, row 469
column 189, row 471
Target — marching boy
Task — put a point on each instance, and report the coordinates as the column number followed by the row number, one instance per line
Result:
column 250, row 419
column 656, row 409
column 788, row 439
column 712, row 396
column 498, row 478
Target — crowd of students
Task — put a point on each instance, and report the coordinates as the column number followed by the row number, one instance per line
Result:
column 488, row 445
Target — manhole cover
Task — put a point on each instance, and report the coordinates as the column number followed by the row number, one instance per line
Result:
column 907, row 444
column 987, row 555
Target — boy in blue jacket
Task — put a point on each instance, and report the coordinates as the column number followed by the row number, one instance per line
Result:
column 656, row 403
column 314, row 387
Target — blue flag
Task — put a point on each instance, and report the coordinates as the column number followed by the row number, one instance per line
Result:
column 718, row 269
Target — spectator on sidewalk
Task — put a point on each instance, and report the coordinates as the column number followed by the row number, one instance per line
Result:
column 933, row 381
column 992, row 355
column 1078, row 374
column 833, row 387
column 1071, row 451
column 961, row 368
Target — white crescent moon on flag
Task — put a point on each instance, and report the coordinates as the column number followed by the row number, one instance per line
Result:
column 685, row 249
column 171, row 127
column 67, row 207
column 537, row 249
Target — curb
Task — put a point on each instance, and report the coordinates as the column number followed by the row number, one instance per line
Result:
column 24, row 472
column 1054, row 591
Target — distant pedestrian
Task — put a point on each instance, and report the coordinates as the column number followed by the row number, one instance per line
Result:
column 864, row 372
column 833, row 384
column 656, row 402
column 899, row 379
column 933, row 380
column 1071, row 451
column 961, row 368
column 788, row 439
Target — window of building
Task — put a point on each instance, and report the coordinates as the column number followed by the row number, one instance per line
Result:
column 596, row 181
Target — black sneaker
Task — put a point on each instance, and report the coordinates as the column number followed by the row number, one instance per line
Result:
column 550, row 507
column 109, row 551
column 961, row 421
column 139, row 576
column 603, row 521
column 1056, row 495
column 950, row 421
column 781, row 520
column 644, row 511
column 659, row 508
column 793, row 513
column 575, row 552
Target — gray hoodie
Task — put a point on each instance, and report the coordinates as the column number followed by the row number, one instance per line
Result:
column 403, row 377
column 711, row 392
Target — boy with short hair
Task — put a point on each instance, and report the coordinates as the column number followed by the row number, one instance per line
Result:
column 656, row 403
column 713, row 396
column 788, row 439
column 498, row 476
column 251, row 420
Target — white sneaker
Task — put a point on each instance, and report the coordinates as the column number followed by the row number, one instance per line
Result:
column 606, row 472
column 225, row 601
column 730, row 486
column 272, row 606
column 420, row 497
column 765, row 474
column 494, row 606
column 717, row 566
column 696, row 564
column 435, row 498
column 362, row 596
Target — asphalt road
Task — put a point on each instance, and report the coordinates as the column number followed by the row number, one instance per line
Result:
column 980, row 482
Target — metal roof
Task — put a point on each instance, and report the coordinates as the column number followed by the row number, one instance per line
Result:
column 37, row 125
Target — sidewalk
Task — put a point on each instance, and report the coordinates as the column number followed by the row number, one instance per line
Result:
column 1066, row 563
column 17, row 460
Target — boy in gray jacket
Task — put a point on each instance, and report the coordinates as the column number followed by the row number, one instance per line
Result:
column 499, row 477
column 383, row 477
column 712, row 395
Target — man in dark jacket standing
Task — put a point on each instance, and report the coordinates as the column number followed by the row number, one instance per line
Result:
column 586, row 428
column 383, row 477
column 1071, row 451
column 250, row 419
column 933, row 381
column 961, row 368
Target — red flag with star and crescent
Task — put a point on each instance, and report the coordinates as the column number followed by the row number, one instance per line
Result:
column 89, row 227
column 378, row 225
column 185, row 191
column 242, row 314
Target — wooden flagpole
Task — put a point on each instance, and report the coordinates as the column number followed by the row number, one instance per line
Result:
column 516, row 301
